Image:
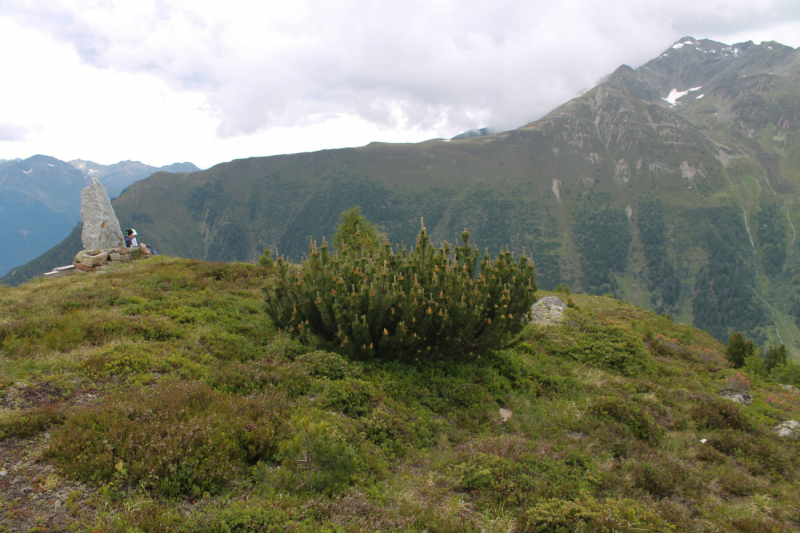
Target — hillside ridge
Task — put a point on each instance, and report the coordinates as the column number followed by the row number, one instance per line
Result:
column 624, row 190
column 158, row 396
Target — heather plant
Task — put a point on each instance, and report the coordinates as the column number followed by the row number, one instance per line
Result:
column 603, row 344
column 410, row 305
column 737, row 382
column 175, row 439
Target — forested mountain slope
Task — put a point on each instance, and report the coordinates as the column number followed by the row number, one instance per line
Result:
column 673, row 186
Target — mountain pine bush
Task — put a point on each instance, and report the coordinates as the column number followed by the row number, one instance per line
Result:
column 412, row 305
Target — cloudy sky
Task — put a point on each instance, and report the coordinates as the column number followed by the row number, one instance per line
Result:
column 190, row 80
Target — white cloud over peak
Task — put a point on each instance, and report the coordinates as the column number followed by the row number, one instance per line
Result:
column 407, row 68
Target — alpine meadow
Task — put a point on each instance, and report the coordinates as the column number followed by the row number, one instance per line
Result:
column 587, row 324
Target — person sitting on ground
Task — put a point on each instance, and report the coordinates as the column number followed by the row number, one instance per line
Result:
column 130, row 238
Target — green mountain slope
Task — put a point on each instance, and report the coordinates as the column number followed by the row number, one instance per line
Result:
column 60, row 255
column 673, row 186
column 39, row 204
column 158, row 397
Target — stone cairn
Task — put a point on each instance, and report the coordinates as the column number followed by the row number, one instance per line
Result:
column 101, row 236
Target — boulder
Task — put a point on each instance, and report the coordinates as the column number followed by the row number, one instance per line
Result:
column 740, row 397
column 89, row 260
column 790, row 428
column 548, row 311
column 100, row 224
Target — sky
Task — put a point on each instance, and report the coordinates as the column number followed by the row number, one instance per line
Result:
column 163, row 81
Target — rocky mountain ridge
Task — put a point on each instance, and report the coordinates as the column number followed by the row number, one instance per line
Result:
column 115, row 178
column 673, row 185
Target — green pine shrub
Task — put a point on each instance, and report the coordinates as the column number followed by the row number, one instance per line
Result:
column 316, row 458
column 740, row 349
column 412, row 305
column 176, row 438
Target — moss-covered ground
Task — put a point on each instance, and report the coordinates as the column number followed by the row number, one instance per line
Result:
column 157, row 396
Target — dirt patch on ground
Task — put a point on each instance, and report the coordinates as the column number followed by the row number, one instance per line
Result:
column 32, row 496
column 24, row 396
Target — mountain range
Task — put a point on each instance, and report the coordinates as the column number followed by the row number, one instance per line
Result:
column 40, row 200
column 673, row 186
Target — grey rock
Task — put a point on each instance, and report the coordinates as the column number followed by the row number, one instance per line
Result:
column 548, row 311
column 740, row 397
column 100, row 224
column 89, row 260
column 790, row 429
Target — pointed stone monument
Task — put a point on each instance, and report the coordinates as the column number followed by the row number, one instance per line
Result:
column 100, row 225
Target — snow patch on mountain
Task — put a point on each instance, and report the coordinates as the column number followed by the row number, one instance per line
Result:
column 678, row 46
column 675, row 94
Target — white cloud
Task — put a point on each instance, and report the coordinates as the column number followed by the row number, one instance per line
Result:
column 209, row 81
column 12, row 133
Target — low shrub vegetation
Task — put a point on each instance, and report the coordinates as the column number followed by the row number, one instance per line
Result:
column 218, row 420
column 372, row 302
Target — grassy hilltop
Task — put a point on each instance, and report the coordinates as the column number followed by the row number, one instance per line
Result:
column 159, row 397
column 686, row 204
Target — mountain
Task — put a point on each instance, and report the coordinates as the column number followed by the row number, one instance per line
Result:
column 40, row 202
column 115, row 178
column 39, row 205
column 472, row 133
column 59, row 255
column 673, row 186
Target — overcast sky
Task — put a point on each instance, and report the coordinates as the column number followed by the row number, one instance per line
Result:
column 162, row 81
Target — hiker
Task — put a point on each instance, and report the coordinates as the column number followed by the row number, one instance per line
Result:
column 130, row 238
column 130, row 241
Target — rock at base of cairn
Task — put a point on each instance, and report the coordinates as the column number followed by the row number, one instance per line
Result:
column 100, row 225
column 91, row 260
column 548, row 311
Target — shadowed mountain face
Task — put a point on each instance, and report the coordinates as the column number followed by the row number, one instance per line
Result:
column 40, row 201
column 673, row 186
column 39, row 205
